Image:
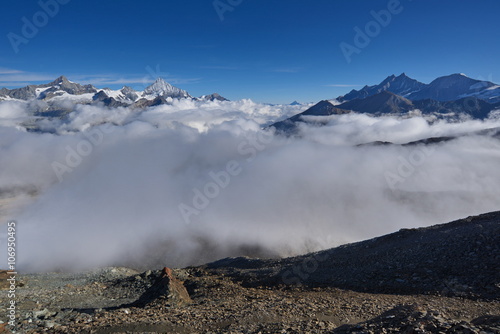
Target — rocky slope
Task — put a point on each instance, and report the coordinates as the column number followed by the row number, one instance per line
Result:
column 461, row 258
column 440, row 279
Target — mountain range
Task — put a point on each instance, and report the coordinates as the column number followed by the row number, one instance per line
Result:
column 452, row 97
column 159, row 92
column 446, row 88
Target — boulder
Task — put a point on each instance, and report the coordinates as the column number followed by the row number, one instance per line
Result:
column 166, row 288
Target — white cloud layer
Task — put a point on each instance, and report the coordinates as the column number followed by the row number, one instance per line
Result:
column 116, row 198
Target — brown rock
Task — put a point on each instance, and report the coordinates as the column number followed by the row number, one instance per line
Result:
column 4, row 284
column 167, row 287
column 3, row 329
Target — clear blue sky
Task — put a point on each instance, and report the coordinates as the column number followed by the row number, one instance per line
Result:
column 267, row 50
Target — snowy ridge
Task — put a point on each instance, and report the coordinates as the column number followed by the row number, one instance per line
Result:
column 124, row 95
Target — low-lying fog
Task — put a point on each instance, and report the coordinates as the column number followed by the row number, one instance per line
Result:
column 187, row 183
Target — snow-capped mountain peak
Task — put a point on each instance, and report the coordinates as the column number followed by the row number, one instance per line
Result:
column 162, row 88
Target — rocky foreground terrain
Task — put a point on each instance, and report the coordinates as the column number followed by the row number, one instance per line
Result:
column 440, row 279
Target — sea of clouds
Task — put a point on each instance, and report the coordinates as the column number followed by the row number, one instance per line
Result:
column 191, row 182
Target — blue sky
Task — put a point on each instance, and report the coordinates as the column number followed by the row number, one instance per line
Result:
column 267, row 50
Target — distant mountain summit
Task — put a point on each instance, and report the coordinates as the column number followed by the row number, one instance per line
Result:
column 400, row 85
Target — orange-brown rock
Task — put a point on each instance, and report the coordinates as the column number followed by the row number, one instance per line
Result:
column 167, row 287
column 4, row 284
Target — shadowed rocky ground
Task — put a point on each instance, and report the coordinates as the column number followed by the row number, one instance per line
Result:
column 461, row 258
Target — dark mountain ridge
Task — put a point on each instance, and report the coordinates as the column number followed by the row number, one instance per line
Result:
column 399, row 85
